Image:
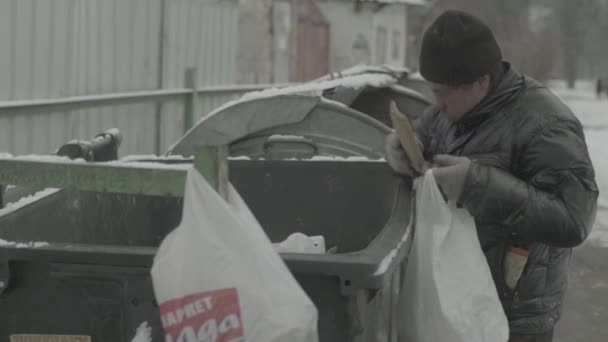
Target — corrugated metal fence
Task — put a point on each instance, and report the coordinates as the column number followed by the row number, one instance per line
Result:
column 60, row 48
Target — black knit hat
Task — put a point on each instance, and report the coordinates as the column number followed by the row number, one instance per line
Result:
column 457, row 49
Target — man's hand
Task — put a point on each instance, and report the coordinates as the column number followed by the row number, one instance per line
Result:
column 450, row 173
column 396, row 156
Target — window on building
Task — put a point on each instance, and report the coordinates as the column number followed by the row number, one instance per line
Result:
column 381, row 45
column 396, row 44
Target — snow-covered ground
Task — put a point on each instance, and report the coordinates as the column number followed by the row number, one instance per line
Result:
column 585, row 309
column 593, row 114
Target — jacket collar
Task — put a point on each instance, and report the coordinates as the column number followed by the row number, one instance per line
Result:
column 507, row 88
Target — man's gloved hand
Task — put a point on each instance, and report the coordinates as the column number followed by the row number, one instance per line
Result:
column 396, row 156
column 450, row 173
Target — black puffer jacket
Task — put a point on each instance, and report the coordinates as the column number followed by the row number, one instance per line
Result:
column 531, row 181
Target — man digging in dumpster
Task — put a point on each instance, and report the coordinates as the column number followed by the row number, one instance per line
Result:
column 505, row 148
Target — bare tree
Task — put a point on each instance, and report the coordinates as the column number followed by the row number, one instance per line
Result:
column 568, row 14
column 582, row 30
column 594, row 54
column 569, row 40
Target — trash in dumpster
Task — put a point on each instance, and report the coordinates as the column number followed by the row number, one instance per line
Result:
column 301, row 243
column 143, row 333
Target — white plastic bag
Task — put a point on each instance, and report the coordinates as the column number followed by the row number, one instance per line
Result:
column 448, row 292
column 217, row 277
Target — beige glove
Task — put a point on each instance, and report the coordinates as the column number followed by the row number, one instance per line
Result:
column 450, row 173
column 396, row 156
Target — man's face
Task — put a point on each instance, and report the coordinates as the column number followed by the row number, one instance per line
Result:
column 456, row 101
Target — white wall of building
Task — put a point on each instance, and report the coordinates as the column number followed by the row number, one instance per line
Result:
column 389, row 33
column 373, row 34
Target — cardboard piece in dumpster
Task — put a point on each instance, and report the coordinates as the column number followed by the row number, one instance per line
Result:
column 217, row 277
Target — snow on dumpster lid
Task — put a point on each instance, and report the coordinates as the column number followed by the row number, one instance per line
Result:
column 366, row 69
column 336, row 159
column 417, row 76
column 286, row 136
column 151, row 157
column 125, row 162
column 313, row 88
column 151, row 165
column 386, row 261
column 29, row 244
column 319, row 158
column 10, row 207
column 348, row 159
column 41, row 158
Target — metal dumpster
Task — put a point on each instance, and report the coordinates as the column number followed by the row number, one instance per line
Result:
column 92, row 279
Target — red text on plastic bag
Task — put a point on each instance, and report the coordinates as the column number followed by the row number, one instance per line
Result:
column 213, row 316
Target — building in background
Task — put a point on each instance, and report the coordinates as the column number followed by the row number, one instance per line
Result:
column 313, row 37
column 301, row 41
column 64, row 48
column 367, row 31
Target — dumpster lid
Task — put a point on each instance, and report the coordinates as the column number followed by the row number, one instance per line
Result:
column 393, row 71
column 313, row 123
column 238, row 119
column 302, row 110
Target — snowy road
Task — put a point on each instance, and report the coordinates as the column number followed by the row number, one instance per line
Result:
column 593, row 114
column 586, row 308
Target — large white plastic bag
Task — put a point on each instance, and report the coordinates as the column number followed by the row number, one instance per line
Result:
column 448, row 292
column 217, row 277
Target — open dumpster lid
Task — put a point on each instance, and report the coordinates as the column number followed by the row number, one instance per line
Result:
column 287, row 126
column 393, row 71
column 410, row 92
column 329, row 116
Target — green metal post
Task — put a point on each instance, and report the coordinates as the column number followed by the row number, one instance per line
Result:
column 130, row 178
column 212, row 163
column 190, row 100
column 98, row 177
